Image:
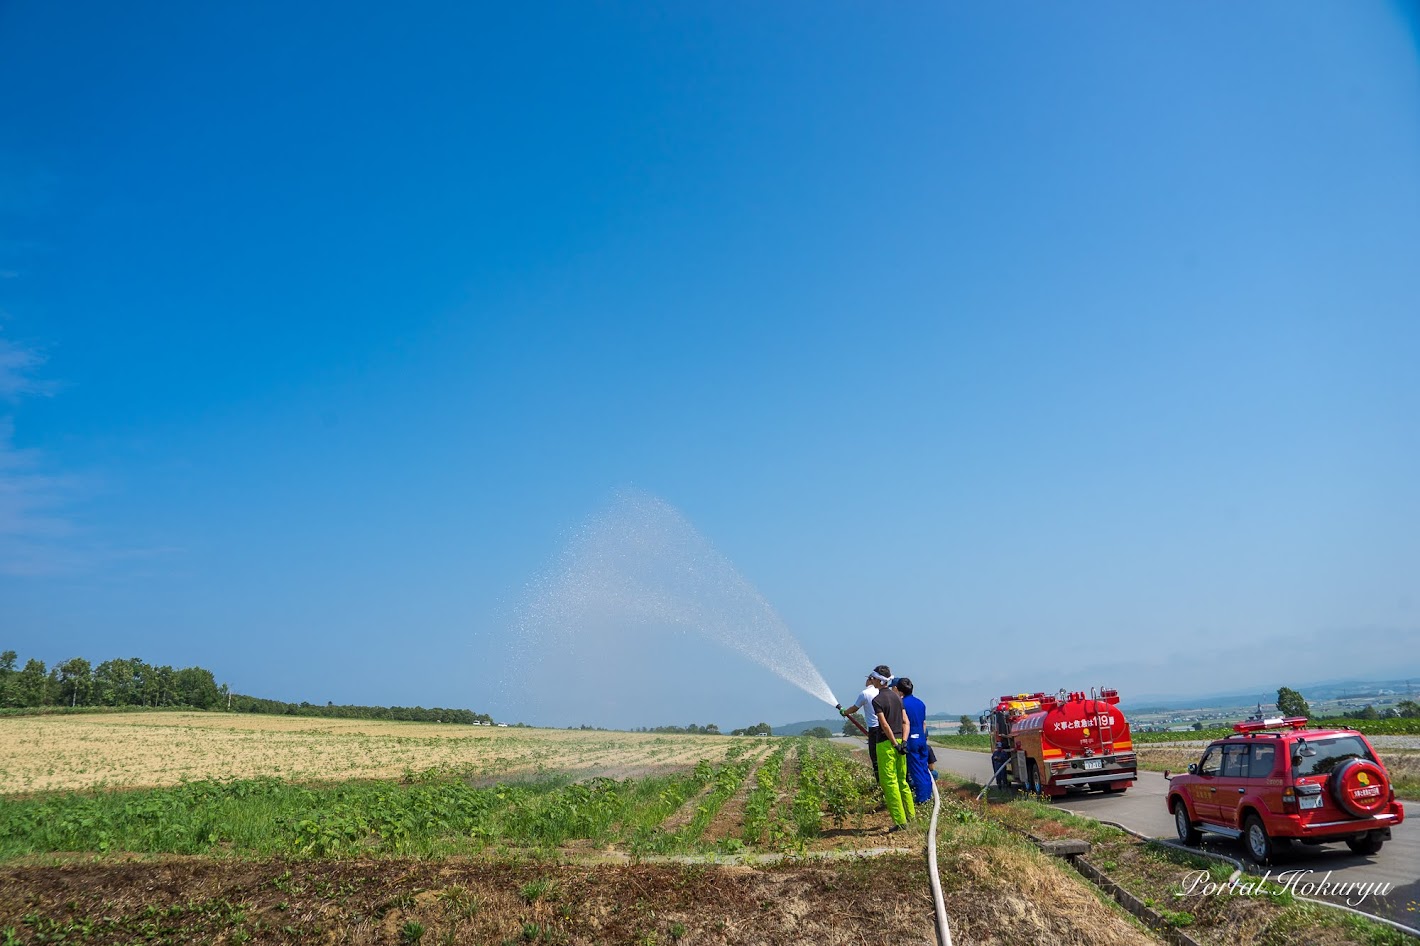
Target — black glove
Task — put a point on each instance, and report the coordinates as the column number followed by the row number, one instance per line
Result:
column 900, row 747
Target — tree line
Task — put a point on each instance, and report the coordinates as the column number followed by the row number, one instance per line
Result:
column 693, row 729
column 131, row 682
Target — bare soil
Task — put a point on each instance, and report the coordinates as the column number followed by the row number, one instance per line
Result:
column 391, row 901
column 993, row 897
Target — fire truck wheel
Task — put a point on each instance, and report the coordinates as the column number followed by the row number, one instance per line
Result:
column 1187, row 833
column 1256, row 843
column 1033, row 778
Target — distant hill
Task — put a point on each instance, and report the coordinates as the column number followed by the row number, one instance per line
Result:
column 1327, row 690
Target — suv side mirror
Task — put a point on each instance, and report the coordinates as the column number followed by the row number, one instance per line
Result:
column 1193, row 768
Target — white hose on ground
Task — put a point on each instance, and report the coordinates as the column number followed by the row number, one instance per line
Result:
column 944, row 932
column 994, row 775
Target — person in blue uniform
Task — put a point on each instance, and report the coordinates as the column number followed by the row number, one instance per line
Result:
column 919, row 775
column 999, row 757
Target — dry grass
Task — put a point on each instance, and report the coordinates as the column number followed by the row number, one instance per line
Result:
column 49, row 753
column 1010, row 894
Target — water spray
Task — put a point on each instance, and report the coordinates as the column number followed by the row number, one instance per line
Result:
column 640, row 563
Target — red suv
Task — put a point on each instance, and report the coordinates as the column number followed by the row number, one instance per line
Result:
column 1277, row 781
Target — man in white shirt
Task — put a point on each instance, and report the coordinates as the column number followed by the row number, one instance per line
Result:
column 880, row 676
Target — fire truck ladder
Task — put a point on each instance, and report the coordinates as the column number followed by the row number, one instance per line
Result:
column 1106, row 726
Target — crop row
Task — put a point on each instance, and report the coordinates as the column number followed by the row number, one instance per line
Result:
column 272, row 817
column 759, row 807
column 438, row 813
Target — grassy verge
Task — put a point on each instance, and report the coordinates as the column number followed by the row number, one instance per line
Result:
column 1175, row 883
column 979, row 742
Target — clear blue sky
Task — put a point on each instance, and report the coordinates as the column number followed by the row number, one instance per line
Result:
column 1028, row 346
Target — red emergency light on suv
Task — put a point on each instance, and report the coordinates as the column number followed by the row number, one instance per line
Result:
column 1276, row 782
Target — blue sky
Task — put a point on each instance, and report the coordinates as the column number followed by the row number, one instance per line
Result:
column 1022, row 347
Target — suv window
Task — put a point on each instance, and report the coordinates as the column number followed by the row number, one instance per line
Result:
column 1264, row 756
column 1234, row 761
column 1212, row 760
column 1331, row 751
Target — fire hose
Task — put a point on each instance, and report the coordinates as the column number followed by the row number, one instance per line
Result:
column 854, row 720
column 944, row 932
column 994, row 775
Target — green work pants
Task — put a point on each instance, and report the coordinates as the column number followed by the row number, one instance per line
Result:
column 892, row 776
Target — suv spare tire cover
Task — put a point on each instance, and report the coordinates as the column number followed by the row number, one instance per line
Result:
column 1360, row 787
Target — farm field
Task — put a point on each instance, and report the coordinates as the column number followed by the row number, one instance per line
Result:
column 51, row 753
column 400, row 833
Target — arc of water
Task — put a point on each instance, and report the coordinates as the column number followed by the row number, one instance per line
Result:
column 641, row 561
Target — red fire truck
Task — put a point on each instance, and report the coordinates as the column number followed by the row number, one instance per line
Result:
column 1054, row 743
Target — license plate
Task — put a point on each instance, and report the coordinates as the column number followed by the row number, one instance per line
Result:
column 1310, row 801
column 1094, row 764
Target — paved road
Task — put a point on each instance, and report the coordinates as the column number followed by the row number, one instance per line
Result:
column 1142, row 809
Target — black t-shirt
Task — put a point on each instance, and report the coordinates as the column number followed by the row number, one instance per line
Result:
column 889, row 703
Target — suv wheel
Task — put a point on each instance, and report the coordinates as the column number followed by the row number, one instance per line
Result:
column 1368, row 843
column 1187, row 833
column 1256, row 843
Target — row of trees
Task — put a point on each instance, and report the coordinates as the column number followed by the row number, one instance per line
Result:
column 119, row 682
column 694, row 729
column 132, row 682
column 409, row 714
column 760, row 729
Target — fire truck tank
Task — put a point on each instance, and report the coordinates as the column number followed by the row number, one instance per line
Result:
column 1078, row 725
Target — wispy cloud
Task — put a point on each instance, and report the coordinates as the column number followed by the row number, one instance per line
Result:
column 17, row 366
column 33, row 499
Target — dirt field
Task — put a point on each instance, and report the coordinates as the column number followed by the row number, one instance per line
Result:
column 46, row 753
column 839, row 903
column 839, row 889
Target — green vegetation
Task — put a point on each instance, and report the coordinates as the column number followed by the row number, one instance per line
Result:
column 723, row 783
column 978, row 741
column 694, row 729
column 759, row 729
column 759, row 808
column 829, row 783
column 434, row 815
column 1291, row 703
column 440, row 813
